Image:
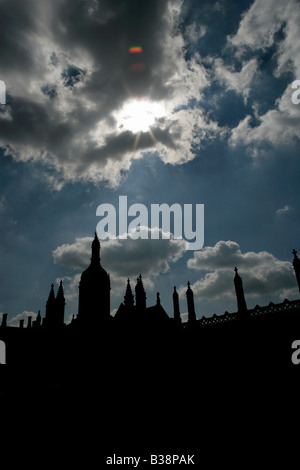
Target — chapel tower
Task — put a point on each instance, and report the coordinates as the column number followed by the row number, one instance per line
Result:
column 94, row 290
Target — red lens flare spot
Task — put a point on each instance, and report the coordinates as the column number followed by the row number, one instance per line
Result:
column 135, row 50
column 138, row 67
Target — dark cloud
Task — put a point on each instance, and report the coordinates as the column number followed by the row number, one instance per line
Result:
column 123, row 257
column 78, row 53
column 49, row 90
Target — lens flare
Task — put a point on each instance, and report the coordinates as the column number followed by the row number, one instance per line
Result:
column 135, row 50
column 138, row 67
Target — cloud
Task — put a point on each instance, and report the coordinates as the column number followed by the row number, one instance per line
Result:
column 258, row 32
column 123, row 257
column 49, row 90
column 278, row 126
column 258, row 28
column 241, row 82
column 284, row 210
column 194, row 32
column 262, row 273
column 69, row 73
column 15, row 321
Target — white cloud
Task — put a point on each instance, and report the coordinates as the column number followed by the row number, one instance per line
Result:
column 259, row 25
column 256, row 32
column 194, row 32
column 241, row 82
column 277, row 126
column 283, row 210
column 262, row 273
column 15, row 321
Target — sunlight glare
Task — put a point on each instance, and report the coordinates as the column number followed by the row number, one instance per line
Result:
column 139, row 115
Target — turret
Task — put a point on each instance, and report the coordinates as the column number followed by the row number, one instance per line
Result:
column 190, row 304
column 177, row 316
column 296, row 265
column 37, row 321
column 4, row 320
column 239, row 290
column 50, row 306
column 140, row 294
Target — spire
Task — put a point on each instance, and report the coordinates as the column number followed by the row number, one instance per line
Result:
column 60, row 305
column 95, row 249
column 51, row 297
column 140, row 294
column 239, row 290
column 177, row 316
column 55, row 308
column 38, row 319
column 50, row 304
column 157, row 299
column 296, row 265
column 128, row 297
column 60, row 294
column 190, row 304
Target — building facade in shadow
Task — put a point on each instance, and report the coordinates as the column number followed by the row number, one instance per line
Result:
column 149, row 371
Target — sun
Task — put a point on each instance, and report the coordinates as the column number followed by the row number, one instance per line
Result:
column 140, row 114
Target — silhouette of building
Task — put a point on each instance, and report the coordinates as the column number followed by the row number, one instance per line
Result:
column 145, row 367
column 296, row 265
column 176, row 309
column 190, row 305
column 94, row 290
column 239, row 291
column 94, row 302
column 139, row 314
column 141, row 323
column 55, row 309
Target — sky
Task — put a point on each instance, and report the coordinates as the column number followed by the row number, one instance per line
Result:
column 200, row 113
